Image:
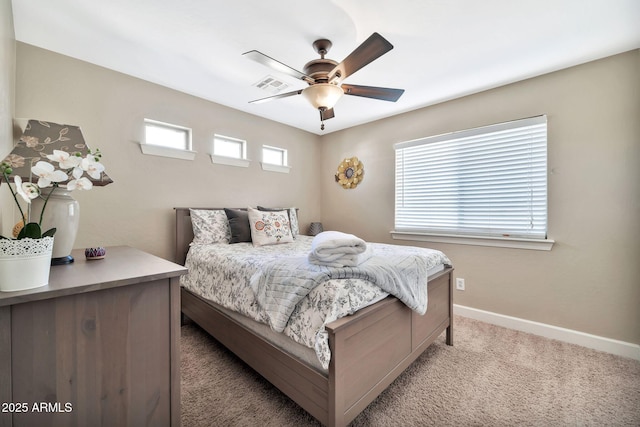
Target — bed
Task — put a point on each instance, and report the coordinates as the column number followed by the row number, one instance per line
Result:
column 386, row 334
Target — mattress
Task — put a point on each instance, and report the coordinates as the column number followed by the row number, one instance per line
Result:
column 221, row 273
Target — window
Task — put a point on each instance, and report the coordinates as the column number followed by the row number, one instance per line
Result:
column 229, row 147
column 274, row 159
column 167, row 140
column 166, row 135
column 487, row 183
column 229, row 151
column 274, row 155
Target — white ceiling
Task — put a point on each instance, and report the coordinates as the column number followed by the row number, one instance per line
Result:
column 443, row 49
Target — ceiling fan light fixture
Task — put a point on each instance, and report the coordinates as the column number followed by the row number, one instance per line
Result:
column 323, row 95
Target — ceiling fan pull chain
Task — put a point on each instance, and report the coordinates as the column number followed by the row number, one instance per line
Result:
column 321, row 118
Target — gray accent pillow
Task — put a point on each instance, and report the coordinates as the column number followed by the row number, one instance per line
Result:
column 239, row 225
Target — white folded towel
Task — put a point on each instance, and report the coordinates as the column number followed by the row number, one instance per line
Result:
column 337, row 249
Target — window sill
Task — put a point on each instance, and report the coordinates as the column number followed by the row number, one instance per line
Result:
column 500, row 242
column 230, row 161
column 275, row 168
column 156, row 150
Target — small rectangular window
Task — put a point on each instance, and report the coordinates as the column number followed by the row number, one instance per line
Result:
column 229, row 151
column 274, row 155
column 274, row 159
column 229, row 147
column 167, row 135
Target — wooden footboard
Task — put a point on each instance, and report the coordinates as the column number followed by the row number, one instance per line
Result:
column 369, row 349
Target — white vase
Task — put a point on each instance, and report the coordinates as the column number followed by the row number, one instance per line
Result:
column 63, row 213
column 25, row 263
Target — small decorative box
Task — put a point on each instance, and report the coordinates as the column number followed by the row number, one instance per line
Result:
column 95, row 253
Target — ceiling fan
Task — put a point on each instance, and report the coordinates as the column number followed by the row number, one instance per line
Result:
column 325, row 76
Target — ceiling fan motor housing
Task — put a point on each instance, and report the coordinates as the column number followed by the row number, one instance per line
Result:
column 319, row 69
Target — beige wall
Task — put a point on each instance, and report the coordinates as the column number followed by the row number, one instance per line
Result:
column 137, row 210
column 7, row 97
column 590, row 281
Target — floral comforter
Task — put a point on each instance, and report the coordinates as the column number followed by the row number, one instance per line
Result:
column 222, row 273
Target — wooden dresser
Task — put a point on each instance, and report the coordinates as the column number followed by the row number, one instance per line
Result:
column 98, row 346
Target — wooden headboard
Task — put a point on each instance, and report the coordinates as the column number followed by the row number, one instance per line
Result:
column 184, row 234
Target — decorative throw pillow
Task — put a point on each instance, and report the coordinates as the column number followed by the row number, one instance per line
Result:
column 293, row 218
column 209, row 226
column 239, row 225
column 269, row 227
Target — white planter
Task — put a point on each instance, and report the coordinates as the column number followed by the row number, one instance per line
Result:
column 24, row 263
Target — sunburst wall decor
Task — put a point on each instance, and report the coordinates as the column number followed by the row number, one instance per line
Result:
column 350, row 173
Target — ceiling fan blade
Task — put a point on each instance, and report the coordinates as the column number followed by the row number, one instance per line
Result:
column 271, row 98
column 371, row 49
column 382, row 93
column 276, row 65
column 327, row 114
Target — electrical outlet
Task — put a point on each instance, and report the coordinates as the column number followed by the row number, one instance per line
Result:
column 460, row 284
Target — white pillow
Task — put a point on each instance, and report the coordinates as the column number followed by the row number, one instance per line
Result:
column 269, row 227
column 209, row 226
column 293, row 218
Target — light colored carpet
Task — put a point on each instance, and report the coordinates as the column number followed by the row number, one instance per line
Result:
column 492, row 376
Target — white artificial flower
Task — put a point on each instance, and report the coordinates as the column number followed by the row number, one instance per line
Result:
column 81, row 184
column 93, row 168
column 64, row 159
column 47, row 174
column 77, row 172
column 26, row 190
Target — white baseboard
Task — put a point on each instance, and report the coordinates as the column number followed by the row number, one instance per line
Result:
column 595, row 342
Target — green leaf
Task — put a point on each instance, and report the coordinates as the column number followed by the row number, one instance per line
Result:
column 49, row 233
column 31, row 230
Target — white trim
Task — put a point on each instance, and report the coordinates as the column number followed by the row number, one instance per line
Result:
column 608, row 345
column 157, row 150
column 229, row 161
column 500, row 242
column 275, row 168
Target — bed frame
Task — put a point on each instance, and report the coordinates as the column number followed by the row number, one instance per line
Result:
column 369, row 349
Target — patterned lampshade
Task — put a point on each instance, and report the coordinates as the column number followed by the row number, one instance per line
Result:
column 39, row 139
column 315, row 228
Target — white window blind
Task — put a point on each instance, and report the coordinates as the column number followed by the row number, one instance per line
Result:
column 488, row 181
